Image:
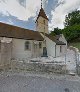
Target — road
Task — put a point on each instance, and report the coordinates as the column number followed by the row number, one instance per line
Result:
column 19, row 83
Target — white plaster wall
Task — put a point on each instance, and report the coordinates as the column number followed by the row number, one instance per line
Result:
column 50, row 47
column 41, row 49
column 37, row 52
column 64, row 47
column 40, row 27
column 57, row 50
column 58, row 53
column 18, row 51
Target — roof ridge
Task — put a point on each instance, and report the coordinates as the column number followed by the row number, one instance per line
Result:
column 15, row 26
column 11, row 31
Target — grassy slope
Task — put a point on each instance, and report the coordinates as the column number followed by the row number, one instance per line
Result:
column 75, row 44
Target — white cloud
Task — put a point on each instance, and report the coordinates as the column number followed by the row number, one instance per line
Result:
column 17, row 9
column 63, row 8
column 79, row 8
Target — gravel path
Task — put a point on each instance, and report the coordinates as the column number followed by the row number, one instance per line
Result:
column 34, row 83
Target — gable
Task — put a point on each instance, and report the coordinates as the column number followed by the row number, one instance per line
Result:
column 54, row 39
column 42, row 14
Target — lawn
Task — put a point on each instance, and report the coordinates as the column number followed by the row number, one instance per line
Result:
column 75, row 44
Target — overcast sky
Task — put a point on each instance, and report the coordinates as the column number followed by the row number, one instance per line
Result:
column 24, row 12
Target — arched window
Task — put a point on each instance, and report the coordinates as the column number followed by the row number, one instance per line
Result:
column 27, row 45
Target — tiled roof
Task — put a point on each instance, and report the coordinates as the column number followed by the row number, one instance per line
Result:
column 53, row 38
column 42, row 14
column 10, row 31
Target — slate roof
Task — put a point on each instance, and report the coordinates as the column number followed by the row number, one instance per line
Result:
column 10, row 31
column 54, row 39
column 42, row 14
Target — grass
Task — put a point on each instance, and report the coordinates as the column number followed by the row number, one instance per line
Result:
column 75, row 44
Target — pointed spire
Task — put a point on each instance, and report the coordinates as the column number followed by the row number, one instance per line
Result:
column 41, row 3
column 42, row 13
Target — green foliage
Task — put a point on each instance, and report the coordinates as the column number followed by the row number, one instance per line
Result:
column 72, row 26
column 71, row 32
column 75, row 44
column 72, row 18
column 56, row 31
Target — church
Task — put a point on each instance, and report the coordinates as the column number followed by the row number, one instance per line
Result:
column 18, row 43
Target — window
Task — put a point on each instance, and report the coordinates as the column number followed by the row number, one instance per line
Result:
column 44, row 21
column 60, row 48
column 27, row 45
column 40, row 44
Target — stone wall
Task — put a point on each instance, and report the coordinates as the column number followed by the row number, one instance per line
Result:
column 6, row 49
column 38, row 67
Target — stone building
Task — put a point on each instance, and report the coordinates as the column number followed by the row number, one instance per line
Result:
column 21, row 44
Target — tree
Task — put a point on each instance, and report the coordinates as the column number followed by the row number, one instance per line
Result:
column 72, row 26
column 56, row 31
column 71, row 32
column 72, row 18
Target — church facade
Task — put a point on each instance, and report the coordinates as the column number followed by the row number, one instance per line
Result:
column 22, row 44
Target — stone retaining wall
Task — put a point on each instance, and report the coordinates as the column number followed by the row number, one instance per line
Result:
column 38, row 67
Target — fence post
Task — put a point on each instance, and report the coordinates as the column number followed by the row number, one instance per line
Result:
column 65, row 63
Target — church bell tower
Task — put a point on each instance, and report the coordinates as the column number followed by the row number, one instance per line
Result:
column 42, row 27
column 42, row 21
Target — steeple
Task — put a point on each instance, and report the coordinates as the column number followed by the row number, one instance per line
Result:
column 42, row 21
column 42, row 13
column 41, row 3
